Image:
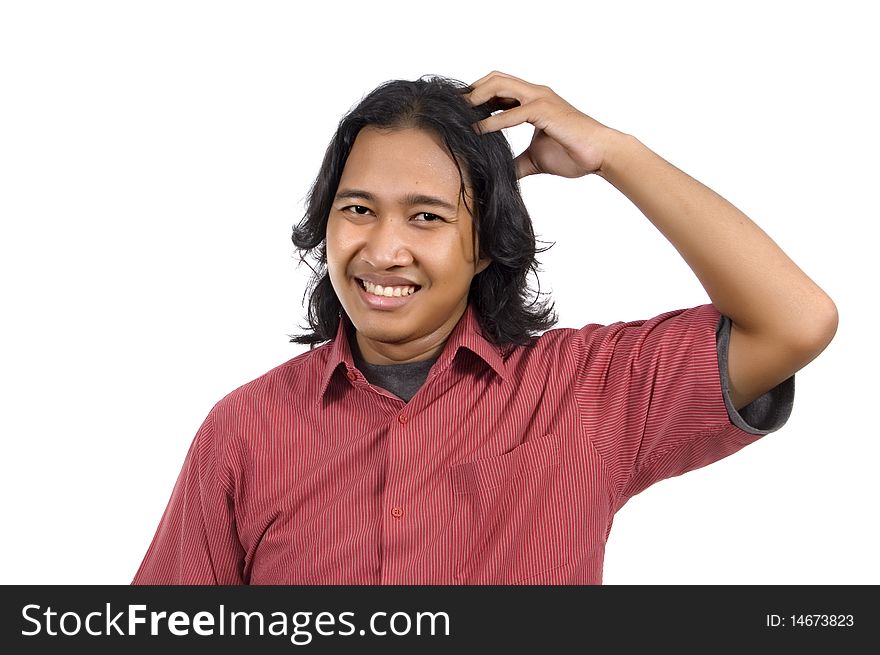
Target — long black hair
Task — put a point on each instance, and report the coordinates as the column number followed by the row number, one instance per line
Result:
column 509, row 311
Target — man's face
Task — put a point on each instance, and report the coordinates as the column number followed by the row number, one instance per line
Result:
column 400, row 244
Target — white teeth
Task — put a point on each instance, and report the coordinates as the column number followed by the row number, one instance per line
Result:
column 389, row 291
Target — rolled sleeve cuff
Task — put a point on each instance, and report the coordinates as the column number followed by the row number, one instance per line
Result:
column 764, row 414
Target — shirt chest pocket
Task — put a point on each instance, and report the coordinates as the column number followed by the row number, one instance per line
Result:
column 510, row 517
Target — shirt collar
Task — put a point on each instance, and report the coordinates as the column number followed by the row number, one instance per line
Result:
column 466, row 334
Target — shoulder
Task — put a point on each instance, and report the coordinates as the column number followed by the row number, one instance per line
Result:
column 681, row 331
column 291, row 382
column 675, row 323
column 251, row 414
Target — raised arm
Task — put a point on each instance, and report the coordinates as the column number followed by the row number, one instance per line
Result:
column 781, row 320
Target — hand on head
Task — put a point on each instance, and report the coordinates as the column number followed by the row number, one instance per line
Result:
column 566, row 142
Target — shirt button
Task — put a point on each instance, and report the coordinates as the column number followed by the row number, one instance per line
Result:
column 352, row 376
column 396, row 512
column 402, row 418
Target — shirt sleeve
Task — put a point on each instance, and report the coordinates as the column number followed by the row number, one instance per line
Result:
column 196, row 542
column 654, row 398
column 764, row 414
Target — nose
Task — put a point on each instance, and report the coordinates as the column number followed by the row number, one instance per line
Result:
column 386, row 244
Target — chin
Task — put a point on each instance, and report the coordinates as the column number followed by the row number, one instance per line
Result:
column 380, row 332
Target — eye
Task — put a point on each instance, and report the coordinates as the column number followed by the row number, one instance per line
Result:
column 429, row 218
column 356, row 209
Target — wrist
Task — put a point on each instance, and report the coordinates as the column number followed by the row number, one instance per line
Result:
column 619, row 146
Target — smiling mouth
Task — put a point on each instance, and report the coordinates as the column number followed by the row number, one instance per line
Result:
column 389, row 291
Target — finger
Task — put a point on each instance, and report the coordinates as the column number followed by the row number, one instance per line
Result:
column 509, row 118
column 524, row 165
column 473, row 85
column 483, row 79
column 497, row 104
column 486, row 77
column 498, row 87
column 502, row 86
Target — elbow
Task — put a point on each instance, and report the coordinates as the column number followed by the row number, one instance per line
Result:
column 833, row 319
column 823, row 321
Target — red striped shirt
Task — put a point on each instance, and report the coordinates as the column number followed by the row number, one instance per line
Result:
column 507, row 466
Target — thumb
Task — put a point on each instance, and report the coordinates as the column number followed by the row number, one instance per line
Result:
column 524, row 165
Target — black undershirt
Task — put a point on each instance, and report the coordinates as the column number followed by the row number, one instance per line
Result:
column 403, row 380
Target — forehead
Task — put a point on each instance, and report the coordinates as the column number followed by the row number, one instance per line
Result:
column 403, row 158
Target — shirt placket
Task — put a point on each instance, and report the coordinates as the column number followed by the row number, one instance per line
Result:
column 395, row 506
column 393, row 524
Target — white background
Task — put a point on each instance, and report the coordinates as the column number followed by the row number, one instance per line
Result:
column 154, row 156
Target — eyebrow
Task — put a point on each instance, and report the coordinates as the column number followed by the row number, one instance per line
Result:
column 409, row 199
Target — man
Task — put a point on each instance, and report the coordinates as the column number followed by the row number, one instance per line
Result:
column 435, row 437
